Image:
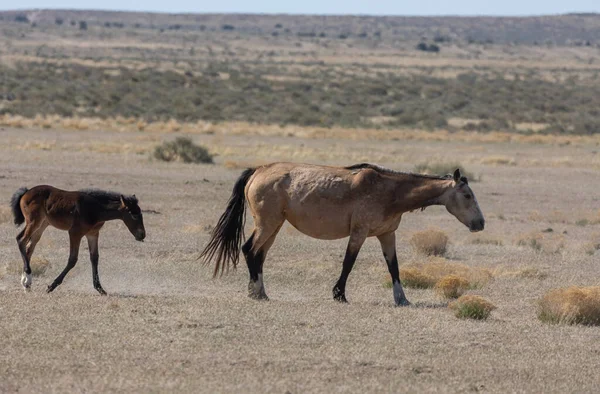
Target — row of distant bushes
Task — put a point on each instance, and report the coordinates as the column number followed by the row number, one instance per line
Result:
column 324, row 97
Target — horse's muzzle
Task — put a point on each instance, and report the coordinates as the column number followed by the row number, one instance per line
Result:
column 477, row 225
column 140, row 235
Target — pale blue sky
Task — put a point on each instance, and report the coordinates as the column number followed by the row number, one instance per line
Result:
column 373, row 7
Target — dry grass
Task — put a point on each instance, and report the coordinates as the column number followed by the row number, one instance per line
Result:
column 415, row 278
column 499, row 160
column 472, row 307
column 572, row 305
column 425, row 274
column 5, row 214
column 39, row 265
column 452, row 286
column 521, row 273
column 486, row 240
column 431, row 242
column 547, row 242
column 251, row 129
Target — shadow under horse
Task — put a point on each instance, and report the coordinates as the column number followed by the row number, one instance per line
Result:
column 359, row 201
column 81, row 213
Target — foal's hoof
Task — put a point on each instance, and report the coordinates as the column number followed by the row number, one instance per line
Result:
column 100, row 290
column 258, row 296
column 338, row 295
column 26, row 281
column 50, row 288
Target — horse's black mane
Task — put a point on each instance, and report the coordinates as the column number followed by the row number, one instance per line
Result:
column 106, row 197
column 388, row 171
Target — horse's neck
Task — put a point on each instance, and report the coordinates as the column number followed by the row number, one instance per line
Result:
column 107, row 214
column 419, row 193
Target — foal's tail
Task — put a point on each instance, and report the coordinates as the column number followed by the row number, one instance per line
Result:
column 227, row 236
column 15, row 204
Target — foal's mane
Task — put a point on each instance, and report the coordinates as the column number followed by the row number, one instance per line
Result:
column 109, row 198
column 384, row 170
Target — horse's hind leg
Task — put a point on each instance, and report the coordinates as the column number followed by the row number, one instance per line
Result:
column 27, row 239
column 75, row 241
column 255, row 251
column 94, row 256
column 388, row 246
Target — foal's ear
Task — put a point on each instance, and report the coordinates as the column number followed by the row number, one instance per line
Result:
column 456, row 175
column 123, row 206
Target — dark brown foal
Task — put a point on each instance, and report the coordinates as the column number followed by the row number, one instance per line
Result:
column 81, row 213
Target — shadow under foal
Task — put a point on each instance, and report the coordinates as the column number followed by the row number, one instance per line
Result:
column 81, row 213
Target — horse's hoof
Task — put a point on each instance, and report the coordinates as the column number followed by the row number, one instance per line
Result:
column 101, row 291
column 403, row 302
column 49, row 289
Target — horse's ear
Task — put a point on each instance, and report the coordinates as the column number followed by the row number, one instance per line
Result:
column 457, row 175
column 123, row 205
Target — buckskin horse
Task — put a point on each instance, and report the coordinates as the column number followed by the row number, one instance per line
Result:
column 359, row 201
column 81, row 213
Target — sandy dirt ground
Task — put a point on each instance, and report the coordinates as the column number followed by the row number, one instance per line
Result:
column 167, row 326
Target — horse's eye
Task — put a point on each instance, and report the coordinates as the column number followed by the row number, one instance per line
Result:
column 468, row 196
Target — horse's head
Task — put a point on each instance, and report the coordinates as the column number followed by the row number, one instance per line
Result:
column 460, row 201
column 132, row 217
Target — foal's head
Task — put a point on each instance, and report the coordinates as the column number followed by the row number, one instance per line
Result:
column 460, row 201
column 132, row 216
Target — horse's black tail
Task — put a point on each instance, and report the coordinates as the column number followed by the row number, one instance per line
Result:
column 15, row 204
column 227, row 236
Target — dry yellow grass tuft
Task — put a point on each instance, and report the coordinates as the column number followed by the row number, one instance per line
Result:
column 452, row 286
column 431, row 242
column 425, row 274
column 571, row 305
column 39, row 265
column 472, row 307
column 416, row 279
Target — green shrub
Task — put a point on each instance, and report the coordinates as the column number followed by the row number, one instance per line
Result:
column 184, row 150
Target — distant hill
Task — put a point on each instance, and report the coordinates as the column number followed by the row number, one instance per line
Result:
column 569, row 29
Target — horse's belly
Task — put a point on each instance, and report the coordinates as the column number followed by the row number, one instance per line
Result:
column 321, row 223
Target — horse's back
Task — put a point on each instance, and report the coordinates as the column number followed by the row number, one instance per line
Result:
column 48, row 203
column 318, row 200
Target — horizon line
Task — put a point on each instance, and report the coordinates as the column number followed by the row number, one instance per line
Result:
column 570, row 13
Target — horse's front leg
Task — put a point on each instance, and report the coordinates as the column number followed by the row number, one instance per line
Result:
column 388, row 246
column 94, row 256
column 75, row 240
column 357, row 238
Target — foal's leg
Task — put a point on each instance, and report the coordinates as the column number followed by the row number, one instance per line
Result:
column 75, row 240
column 388, row 246
column 357, row 238
column 255, row 251
column 27, row 239
column 92, row 239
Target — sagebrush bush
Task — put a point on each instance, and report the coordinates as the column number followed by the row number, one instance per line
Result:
column 430, row 242
column 452, row 286
column 184, row 150
column 571, row 305
column 472, row 307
